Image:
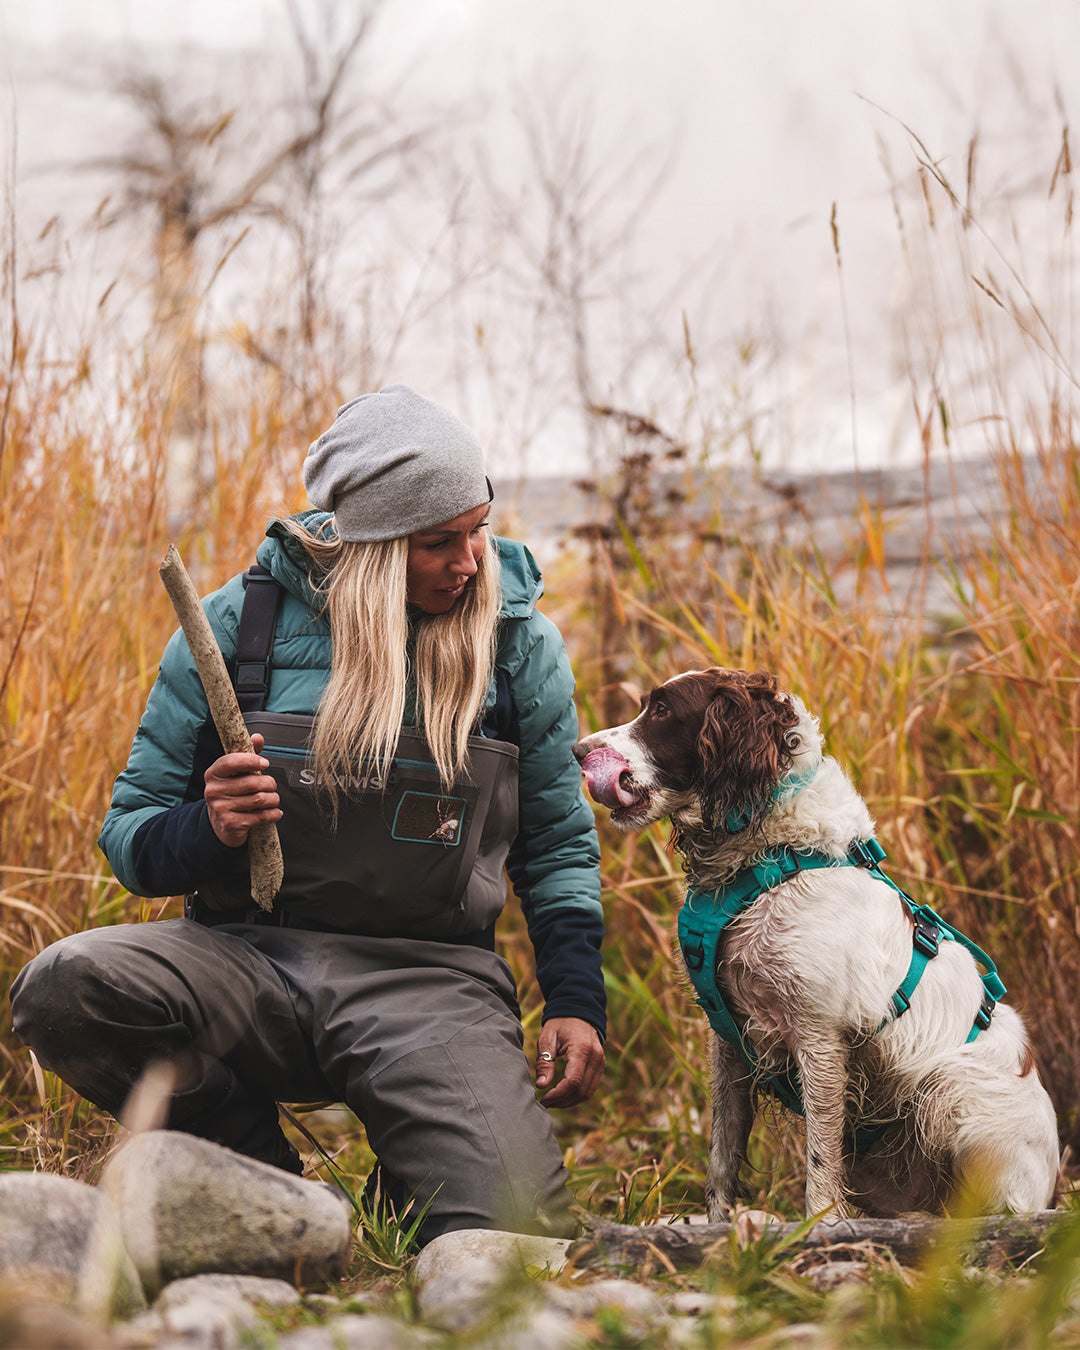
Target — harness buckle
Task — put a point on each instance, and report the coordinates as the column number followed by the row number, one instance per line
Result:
column 927, row 936
column 695, row 956
column 985, row 1013
column 866, row 853
column 860, row 854
column 252, row 676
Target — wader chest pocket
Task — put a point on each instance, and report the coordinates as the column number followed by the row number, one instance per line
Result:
column 428, row 818
column 403, row 851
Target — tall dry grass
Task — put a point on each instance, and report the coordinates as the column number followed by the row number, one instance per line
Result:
column 964, row 741
column 85, row 519
column 953, row 705
column 957, row 717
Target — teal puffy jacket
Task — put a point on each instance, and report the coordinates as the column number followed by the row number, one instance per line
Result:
column 157, row 835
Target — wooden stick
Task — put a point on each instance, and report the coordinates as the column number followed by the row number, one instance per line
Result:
column 686, row 1246
column 264, row 847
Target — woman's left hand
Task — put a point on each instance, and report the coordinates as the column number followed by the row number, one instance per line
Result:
column 578, row 1043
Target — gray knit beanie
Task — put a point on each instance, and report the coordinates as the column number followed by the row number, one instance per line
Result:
column 393, row 463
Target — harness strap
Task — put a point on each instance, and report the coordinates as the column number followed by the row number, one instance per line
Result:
column 929, row 932
column 702, row 920
column 255, row 637
column 705, row 915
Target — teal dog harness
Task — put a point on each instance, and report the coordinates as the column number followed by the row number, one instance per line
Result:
column 705, row 915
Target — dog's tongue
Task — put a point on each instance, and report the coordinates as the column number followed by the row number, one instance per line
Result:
column 602, row 769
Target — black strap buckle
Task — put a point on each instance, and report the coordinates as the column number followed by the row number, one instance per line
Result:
column 927, row 938
column 252, row 677
column 695, row 956
column 257, row 572
column 985, row 1013
column 273, row 918
column 255, row 638
column 862, row 855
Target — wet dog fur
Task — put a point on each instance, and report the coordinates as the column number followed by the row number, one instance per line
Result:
column 809, row 970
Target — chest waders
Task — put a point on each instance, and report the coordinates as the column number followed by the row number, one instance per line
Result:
column 705, row 915
column 406, row 857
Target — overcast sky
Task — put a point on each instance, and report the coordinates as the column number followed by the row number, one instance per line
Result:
column 764, row 95
column 766, row 102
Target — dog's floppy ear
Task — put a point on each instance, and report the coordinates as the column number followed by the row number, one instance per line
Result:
column 742, row 749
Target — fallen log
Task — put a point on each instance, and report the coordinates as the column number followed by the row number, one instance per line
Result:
column 989, row 1241
column 264, row 847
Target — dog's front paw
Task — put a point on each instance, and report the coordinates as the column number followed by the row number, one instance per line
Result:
column 828, row 1207
column 721, row 1201
column 717, row 1207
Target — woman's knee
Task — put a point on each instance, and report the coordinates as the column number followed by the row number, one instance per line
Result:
column 459, row 1127
column 47, row 995
column 65, row 992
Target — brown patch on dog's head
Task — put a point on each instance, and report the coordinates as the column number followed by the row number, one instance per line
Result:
column 742, row 749
column 717, row 739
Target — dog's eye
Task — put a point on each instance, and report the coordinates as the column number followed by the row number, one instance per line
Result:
column 659, row 709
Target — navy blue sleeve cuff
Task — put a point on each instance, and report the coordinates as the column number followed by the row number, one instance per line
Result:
column 567, row 944
column 176, row 851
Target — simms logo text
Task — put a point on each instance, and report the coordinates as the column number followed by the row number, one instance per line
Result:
column 357, row 782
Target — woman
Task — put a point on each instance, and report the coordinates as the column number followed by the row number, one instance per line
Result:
column 415, row 738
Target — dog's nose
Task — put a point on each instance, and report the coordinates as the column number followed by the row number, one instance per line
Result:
column 580, row 751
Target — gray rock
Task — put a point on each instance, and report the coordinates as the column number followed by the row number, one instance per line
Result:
column 473, row 1293
column 543, row 1328
column 448, row 1252
column 62, row 1235
column 357, row 1332
column 189, row 1207
column 215, row 1311
column 638, row 1305
column 247, row 1291
column 476, row 1280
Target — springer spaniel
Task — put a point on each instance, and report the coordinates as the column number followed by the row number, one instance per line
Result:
column 808, row 972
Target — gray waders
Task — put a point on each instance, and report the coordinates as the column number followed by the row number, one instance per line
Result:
column 371, row 984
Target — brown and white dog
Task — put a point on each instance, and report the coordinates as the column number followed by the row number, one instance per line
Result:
column 809, row 970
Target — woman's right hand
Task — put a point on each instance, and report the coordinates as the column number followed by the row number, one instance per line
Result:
column 239, row 795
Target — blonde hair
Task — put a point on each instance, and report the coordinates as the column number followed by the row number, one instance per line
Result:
column 362, row 709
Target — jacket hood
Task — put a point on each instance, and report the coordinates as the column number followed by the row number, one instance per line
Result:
column 519, row 574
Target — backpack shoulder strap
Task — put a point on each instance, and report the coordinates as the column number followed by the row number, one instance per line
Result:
column 255, row 638
column 501, row 721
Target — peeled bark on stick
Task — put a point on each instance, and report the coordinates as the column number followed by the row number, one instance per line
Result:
column 264, row 847
column 988, row 1241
